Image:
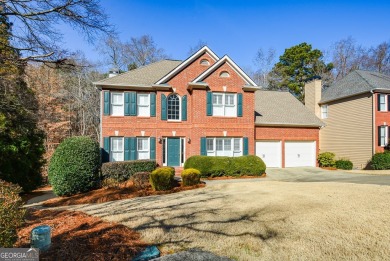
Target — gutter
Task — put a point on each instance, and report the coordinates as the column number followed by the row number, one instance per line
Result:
column 289, row 125
column 348, row 96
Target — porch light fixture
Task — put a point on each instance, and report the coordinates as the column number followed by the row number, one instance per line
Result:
column 189, row 140
column 159, row 139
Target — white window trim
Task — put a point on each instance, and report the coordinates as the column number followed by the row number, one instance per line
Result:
column 224, row 105
column 148, row 105
column 385, row 104
column 179, row 108
column 324, row 108
column 112, row 104
column 111, row 148
column 232, row 150
column 385, row 127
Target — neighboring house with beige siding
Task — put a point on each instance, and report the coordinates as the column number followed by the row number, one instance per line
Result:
column 356, row 111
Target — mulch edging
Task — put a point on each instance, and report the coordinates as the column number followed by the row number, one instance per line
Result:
column 239, row 177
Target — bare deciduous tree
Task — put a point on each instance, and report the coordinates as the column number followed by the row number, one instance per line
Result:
column 112, row 50
column 34, row 33
column 142, row 51
column 196, row 47
column 347, row 56
column 378, row 58
column 264, row 61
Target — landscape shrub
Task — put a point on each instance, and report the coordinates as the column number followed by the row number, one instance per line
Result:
column 344, row 164
column 11, row 213
column 210, row 166
column 326, row 159
column 123, row 170
column 380, row 161
column 141, row 180
column 162, row 178
column 74, row 166
column 110, row 183
column 190, row 177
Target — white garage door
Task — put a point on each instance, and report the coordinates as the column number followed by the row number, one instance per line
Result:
column 270, row 152
column 300, row 153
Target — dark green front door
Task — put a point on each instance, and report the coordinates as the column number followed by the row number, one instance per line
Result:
column 173, row 152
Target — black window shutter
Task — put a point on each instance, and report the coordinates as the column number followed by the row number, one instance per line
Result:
column 379, row 136
column 379, row 102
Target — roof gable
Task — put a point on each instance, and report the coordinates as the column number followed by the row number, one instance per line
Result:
column 186, row 62
column 233, row 65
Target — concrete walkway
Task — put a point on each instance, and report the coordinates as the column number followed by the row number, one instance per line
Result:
column 310, row 174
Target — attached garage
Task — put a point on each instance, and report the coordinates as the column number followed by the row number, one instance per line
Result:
column 286, row 132
column 300, row 153
column 270, row 152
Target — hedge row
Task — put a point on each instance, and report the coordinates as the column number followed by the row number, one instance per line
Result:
column 226, row 166
column 381, row 161
column 124, row 170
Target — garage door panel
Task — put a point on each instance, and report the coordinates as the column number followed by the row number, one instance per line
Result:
column 300, row 154
column 270, row 152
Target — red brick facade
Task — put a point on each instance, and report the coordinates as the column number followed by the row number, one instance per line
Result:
column 382, row 118
column 198, row 124
column 284, row 134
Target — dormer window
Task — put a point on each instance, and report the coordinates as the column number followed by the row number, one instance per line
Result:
column 204, row 62
column 224, row 74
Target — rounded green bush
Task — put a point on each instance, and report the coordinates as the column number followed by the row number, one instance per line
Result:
column 74, row 166
column 210, row 166
column 380, row 161
column 344, row 164
column 162, row 178
column 190, row 177
column 326, row 159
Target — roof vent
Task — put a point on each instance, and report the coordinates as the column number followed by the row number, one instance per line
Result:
column 113, row 72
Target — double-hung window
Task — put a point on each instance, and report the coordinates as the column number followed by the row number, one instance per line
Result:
column 324, row 111
column 117, row 104
column 143, row 148
column 382, row 136
column 382, row 102
column 224, row 147
column 143, row 104
column 224, row 104
column 117, row 149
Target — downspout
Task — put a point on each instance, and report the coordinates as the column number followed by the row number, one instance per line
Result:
column 100, row 117
column 373, row 122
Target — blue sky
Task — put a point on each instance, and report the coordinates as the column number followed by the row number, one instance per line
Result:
column 240, row 28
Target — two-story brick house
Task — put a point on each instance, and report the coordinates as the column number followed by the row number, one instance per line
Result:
column 204, row 105
column 356, row 110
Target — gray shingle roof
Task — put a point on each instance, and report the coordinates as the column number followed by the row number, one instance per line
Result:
column 145, row 75
column 275, row 108
column 356, row 82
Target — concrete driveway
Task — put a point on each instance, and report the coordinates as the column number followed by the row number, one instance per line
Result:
column 310, row 174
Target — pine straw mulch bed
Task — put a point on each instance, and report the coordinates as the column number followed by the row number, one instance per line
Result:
column 78, row 236
column 236, row 177
column 123, row 191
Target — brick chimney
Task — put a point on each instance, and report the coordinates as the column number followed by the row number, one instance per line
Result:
column 313, row 96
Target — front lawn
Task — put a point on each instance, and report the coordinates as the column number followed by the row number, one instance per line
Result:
column 266, row 220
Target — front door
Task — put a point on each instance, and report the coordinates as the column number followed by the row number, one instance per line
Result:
column 173, row 152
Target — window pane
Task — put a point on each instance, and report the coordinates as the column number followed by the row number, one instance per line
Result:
column 383, row 135
column 143, row 144
column 143, row 111
column 219, row 144
column 143, row 99
column 143, row 155
column 227, row 144
column 237, row 144
column 382, row 100
column 117, row 98
column 117, row 156
column 210, row 144
column 173, row 107
column 229, row 99
column 117, row 144
column 217, row 99
column 218, row 110
column 230, row 111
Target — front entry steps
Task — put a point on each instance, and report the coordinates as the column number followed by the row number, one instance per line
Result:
column 178, row 171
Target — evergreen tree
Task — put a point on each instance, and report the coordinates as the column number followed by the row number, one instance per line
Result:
column 298, row 64
column 21, row 142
